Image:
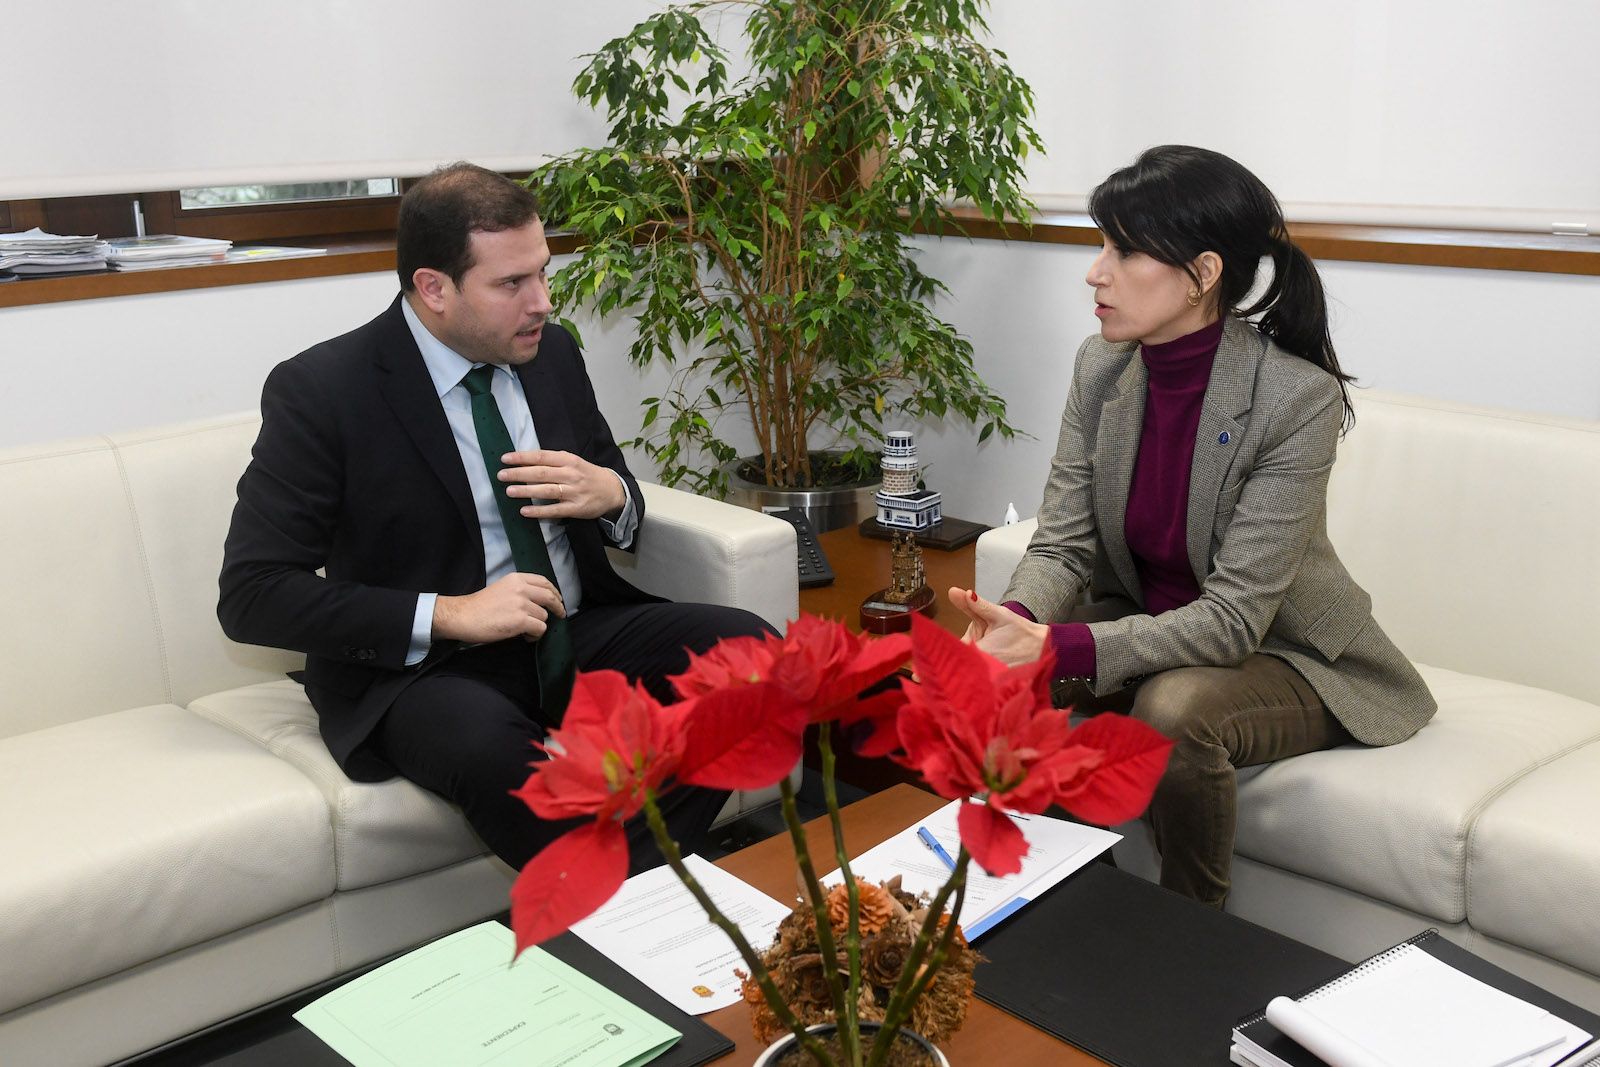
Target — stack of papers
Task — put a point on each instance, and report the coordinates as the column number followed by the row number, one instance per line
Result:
column 165, row 250
column 1056, row 848
column 257, row 253
column 655, row 929
column 36, row 252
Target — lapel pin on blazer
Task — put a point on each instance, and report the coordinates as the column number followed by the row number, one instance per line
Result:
column 1223, row 438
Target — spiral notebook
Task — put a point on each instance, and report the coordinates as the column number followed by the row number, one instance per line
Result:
column 1414, row 1006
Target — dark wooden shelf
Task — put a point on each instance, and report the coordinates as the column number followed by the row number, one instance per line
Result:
column 347, row 254
column 365, row 253
column 1411, row 246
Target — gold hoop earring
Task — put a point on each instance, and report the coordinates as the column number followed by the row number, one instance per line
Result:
column 1194, row 298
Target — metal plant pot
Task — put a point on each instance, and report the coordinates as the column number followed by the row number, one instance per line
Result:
column 787, row 1045
column 826, row 509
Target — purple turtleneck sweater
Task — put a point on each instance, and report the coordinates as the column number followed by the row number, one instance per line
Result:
column 1155, row 525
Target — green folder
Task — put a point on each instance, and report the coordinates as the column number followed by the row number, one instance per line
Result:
column 460, row 1000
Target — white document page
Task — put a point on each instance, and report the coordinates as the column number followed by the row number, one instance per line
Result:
column 656, row 931
column 1056, row 848
column 1411, row 1009
column 461, row 1001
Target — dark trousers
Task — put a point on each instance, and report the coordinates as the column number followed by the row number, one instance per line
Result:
column 1222, row 718
column 466, row 729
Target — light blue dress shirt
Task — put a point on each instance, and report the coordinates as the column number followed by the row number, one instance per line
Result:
column 448, row 368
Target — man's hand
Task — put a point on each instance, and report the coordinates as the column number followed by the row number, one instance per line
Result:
column 998, row 630
column 516, row 604
column 577, row 488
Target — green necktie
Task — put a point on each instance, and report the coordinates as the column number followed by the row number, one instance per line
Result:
column 553, row 652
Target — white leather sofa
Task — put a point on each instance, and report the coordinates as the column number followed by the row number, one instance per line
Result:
column 177, row 845
column 1477, row 532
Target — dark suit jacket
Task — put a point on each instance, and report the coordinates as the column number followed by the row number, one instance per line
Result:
column 1270, row 580
column 355, row 472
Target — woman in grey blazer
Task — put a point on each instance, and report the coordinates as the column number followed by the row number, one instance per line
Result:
column 1182, row 570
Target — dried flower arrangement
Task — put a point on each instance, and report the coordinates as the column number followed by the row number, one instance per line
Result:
column 889, row 919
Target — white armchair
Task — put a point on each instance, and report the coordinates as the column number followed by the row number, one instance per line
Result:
column 696, row 549
column 1474, row 531
column 179, row 846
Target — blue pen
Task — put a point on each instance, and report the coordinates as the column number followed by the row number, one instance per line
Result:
column 938, row 849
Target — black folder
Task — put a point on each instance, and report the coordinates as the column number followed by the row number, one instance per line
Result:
column 1137, row 975
column 1268, row 1036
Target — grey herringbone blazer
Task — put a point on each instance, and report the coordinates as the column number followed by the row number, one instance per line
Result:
column 1257, row 535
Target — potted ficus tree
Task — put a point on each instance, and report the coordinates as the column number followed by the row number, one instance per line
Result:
column 752, row 216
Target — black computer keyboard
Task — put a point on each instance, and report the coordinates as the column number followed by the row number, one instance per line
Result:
column 814, row 567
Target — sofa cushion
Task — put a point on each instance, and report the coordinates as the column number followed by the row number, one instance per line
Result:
column 180, row 483
column 79, row 630
column 143, row 832
column 1533, row 862
column 1451, row 515
column 1394, row 822
column 382, row 830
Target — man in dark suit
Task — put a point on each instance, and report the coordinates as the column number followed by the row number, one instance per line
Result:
column 447, row 468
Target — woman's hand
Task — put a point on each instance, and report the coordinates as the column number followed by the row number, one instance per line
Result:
column 998, row 630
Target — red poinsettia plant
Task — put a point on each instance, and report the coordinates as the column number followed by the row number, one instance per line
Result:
column 973, row 729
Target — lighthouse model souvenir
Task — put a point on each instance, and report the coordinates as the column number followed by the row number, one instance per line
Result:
column 903, row 508
column 902, row 504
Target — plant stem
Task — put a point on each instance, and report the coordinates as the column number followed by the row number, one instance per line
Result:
column 852, row 940
column 758, row 969
column 900, row 999
column 849, row 1042
column 898, row 1017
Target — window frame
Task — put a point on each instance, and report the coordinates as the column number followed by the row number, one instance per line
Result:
column 163, row 212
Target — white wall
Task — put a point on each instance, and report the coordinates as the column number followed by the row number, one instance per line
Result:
column 1387, row 104
column 104, row 366
column 1498, row 84
column 134, row 95
column 1498, row 338
column 1406, row 111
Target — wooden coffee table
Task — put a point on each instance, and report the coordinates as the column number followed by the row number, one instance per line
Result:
column 990, row 1036
column 861, row 567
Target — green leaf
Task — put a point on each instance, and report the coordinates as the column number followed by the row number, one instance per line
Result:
column 810, row 131
column 846, row 287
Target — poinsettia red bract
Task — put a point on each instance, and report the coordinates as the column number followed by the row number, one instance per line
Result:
column 568, row 880
column 973, row 727
column 731, row 661
column 825, row 666
column 615, row 744
column 818, row 665
column 615, row 741
column 744, row 737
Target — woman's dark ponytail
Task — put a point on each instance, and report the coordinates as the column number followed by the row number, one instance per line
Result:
column 1176, row 201
column 1294, row 313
